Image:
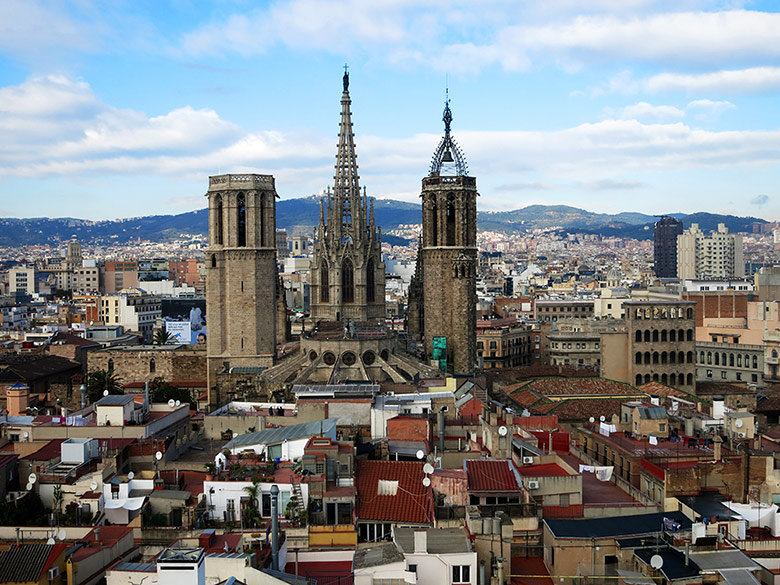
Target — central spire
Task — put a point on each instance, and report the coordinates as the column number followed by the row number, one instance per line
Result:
column 346, row 187
column 448, row 151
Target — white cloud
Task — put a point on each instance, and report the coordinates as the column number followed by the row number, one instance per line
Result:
column 739, row 81
column 646, row 111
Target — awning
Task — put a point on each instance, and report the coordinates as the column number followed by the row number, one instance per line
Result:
column 739, row 577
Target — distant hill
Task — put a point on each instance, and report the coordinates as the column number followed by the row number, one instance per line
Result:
column 301, row 216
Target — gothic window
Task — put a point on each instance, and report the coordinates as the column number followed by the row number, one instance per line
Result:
column 241, row 220
column 639, row 357
column 434, row 218
column 324, row 283
column 638, row 336
column 673, row 335
column 219, row 221
column 370, row 282
column 663, row 335
column 755, row 361
column 647, row 335
column 689, row 337
column 690, row 379
column 213, row 261
column 672, row 379
column 689, row 313
column 152, row 366
column 638, row 379
column 347, row 282
column 259, row 203
column 655, row 334
column 450, row 221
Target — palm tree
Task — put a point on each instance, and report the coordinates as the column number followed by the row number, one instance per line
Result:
column 252, row 513
column 163, row 336
column 101, row 380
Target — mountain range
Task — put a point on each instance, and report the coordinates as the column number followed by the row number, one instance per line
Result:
column 302, row 214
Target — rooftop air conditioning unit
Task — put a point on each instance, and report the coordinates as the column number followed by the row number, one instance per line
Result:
column 53, row 573
column 532, row 485
column 527, row 460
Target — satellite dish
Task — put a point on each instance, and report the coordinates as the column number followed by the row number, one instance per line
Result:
column 739, row 423
column 656, row 561
column 50, row 541
column 130, row 475
column 420, row 454
column 158, row 455
column 32, row 478
column 61, row 534
column 29, row 486
column 26, row 434
column 93, row 486
column 428, row 468
column 171, row 403
column 426, row 481
column 591, row 419
column 178, row 403
column 602, row 418
column 105, row 392
column 502, row 430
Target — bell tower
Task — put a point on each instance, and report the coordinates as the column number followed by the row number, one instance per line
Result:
column 241, row 274
column 449, row 256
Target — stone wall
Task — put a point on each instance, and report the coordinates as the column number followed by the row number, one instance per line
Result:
column 135, row 364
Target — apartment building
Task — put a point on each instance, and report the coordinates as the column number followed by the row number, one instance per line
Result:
column 718, row 255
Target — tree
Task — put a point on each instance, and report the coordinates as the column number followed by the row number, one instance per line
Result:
column 101, row 380
column 252, row 512
column 162, row 391
column 162, row 336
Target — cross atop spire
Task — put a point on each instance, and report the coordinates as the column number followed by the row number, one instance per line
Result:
column 346, row 78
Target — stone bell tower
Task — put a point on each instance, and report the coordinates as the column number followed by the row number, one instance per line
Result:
column 241, row 274
column 449, row 256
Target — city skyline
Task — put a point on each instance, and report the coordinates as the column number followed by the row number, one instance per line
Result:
column 123, row 111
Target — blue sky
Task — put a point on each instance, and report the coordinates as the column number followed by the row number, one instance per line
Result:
column 121, row 109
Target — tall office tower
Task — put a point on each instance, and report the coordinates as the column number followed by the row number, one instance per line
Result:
column 665, row 235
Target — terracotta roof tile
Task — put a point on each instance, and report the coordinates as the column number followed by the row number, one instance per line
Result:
column 490, row 475
column 412, row 502
column 542, row 470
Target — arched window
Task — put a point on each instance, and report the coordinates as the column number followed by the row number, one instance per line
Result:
column 689, row 355
column 324, row 283
column 259, row 203
column 450, row 221
column 434, row 225
column 709, row 357
column 672, row 357
column 152, row 366
column 672, row 379
column 647, row 335
column 655, row 334
column 638, row 358
column 639, row 379
column 755, row 362
column 673, row 335
column 663, row 335
column 638, row 336
column 774, row 353
column 110, row 365
column 731, row 360
column 664, row 379
column 241, row 220
column 690, row 379
column 681, row 335
column 220, row 221
column 747, row 360
column 689, row 313
column 647, row 357
column 655, row 377
column 717, row 358
column 655, row 357
column 647, row 378
column 370, row 282
column 347, row 281
column 689, row 336
column 663, row 357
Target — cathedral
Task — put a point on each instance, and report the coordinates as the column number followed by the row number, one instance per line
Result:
column 347, row 339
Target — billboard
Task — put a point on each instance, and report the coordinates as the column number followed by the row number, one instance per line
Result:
column 185, row 318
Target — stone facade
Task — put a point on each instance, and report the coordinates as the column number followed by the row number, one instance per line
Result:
column 347, row 271
column 241, row 273
column 142, row 363
column 449, row 257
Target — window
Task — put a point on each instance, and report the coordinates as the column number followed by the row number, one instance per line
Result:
column 662, row 427
column 709, row 373
column 461, row 574
column 723, row 375
column 152, row 366
column 412, row 568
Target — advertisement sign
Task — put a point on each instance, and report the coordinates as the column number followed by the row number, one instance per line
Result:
column 189, row 311
column 180, row 330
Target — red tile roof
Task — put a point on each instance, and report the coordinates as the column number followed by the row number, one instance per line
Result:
column 542, row 470
column 413, row 502
column 490, row 475
column 47, row 452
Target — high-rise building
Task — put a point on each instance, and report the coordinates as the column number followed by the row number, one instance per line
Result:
column 449, row 257
column 241, row 273
column 718, row 255
column 665, row 234
column 347, row 271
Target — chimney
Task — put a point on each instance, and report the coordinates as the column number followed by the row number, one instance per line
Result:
column 655, row 400
column 442, row 410
column 421, row 541
column 718, row 407
column 716, row 443
column 275, row 527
